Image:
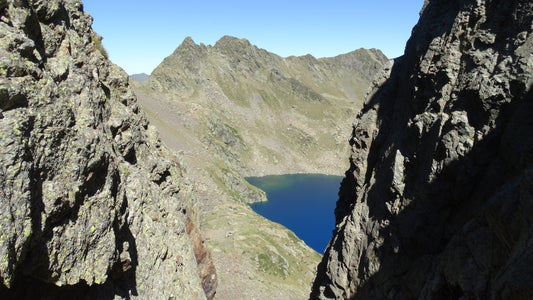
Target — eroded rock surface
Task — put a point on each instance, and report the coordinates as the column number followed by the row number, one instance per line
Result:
column 91, row 205
column 437, row 203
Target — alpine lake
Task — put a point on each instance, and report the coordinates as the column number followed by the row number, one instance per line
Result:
column 304, row 203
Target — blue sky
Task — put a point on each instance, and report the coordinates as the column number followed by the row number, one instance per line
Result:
column 139, row 34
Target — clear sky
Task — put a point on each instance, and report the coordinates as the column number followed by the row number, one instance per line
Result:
column 138, row 35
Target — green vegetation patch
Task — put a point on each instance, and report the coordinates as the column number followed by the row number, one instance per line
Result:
column 97, row 40
column 274, row 264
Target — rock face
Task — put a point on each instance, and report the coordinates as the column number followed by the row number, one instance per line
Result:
column 438, row 200
column 91, row 204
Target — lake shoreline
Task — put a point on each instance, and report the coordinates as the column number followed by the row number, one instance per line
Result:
column 312, row 196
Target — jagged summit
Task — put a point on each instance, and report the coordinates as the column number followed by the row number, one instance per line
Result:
column 238, row 57
column 188, row 40
column 188, row 44
column 225, row 43
column 228, row 41
column 189, row 47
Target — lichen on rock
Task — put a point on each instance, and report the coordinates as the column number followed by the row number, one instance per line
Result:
column 92, row 205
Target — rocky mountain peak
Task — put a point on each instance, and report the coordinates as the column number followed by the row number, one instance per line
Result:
column 188, row 45
column 189, row 48
column 188, row 41
column 239, row 49
column 231, row 42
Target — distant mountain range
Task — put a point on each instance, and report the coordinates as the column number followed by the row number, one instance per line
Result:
column 140, row 77
column 236, row 110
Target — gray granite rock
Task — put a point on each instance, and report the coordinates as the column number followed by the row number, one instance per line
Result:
column 437, row 203
column 91, row 204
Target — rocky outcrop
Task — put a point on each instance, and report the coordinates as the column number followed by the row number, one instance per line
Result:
column 92, row 205
column 437, row 203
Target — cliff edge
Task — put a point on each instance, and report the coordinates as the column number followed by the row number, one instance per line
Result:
column 92, row 205
column 437, row 203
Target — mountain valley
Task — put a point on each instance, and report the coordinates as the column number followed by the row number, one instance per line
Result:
column 234, row 110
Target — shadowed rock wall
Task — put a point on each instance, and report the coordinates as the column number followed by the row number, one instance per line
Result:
column 437, row 203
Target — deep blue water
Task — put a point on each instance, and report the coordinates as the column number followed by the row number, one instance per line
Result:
column 304, row 203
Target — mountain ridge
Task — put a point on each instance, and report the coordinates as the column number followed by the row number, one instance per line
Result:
column 240, row 52
column 257, row 82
